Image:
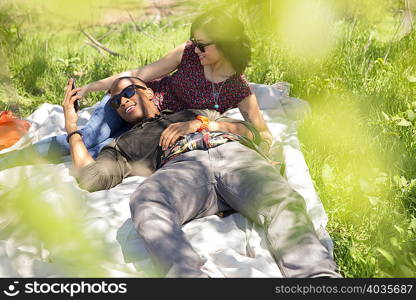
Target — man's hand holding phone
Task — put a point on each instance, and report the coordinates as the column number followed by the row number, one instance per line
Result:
column 76, row 103
column 79, row 153
column 71, row 116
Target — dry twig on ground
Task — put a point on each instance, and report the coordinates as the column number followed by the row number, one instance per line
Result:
column 98, row 44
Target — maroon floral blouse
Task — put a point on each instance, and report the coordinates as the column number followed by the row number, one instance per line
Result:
column 188, row 87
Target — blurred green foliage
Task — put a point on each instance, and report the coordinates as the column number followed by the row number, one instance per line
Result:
column 40, row 206
column 352, row 60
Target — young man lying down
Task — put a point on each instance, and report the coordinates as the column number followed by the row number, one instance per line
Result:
column 199, row 165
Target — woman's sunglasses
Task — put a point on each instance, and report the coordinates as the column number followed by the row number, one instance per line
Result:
column 128, row 92
column 201, row 46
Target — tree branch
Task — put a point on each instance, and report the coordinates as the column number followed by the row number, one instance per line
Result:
column 96, row 48
column 98, row 44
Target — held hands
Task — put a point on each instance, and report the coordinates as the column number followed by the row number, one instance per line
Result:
column 70, row 114
column 176, row 130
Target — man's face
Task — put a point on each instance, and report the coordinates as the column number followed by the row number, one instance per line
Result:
column 130, row 108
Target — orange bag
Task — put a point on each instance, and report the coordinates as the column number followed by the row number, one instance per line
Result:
column 11, row 129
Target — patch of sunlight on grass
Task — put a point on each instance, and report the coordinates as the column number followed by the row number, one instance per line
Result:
column 307, row 27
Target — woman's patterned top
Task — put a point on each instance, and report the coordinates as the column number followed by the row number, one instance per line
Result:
column 188, row 87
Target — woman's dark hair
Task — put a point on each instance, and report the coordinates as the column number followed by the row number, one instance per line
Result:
column 227, row 32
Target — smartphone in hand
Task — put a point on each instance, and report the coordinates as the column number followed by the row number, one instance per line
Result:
column 76, row 103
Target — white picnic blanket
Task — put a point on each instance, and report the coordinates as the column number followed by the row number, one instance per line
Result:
column 232, row 246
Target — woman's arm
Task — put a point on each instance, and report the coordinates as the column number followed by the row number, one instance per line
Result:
column 250, row 110
column 152, row 71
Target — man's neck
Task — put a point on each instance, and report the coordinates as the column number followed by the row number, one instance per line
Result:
column 150, row 110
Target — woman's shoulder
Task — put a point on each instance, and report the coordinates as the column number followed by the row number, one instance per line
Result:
column 189, row 47
column 239, row 80
column 239, row 86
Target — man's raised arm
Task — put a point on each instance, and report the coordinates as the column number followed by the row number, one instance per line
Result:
column 79, row 153
column 109, row 169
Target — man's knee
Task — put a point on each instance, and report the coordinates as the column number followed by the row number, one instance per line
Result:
column 143, row 213
column 135, row 201
column 147, row 208
column 144, row 194
column 140, row 206
column 288, row 204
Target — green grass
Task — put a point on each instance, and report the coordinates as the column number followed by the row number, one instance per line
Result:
column 359, row 142
column 39, row 75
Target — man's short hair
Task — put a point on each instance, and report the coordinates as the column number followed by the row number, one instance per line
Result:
column 133, row 79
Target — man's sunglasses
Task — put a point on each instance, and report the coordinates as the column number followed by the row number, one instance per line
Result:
column 128, row 92
column 201, row 46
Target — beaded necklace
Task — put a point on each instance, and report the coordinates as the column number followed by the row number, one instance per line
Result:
column 216, row 94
